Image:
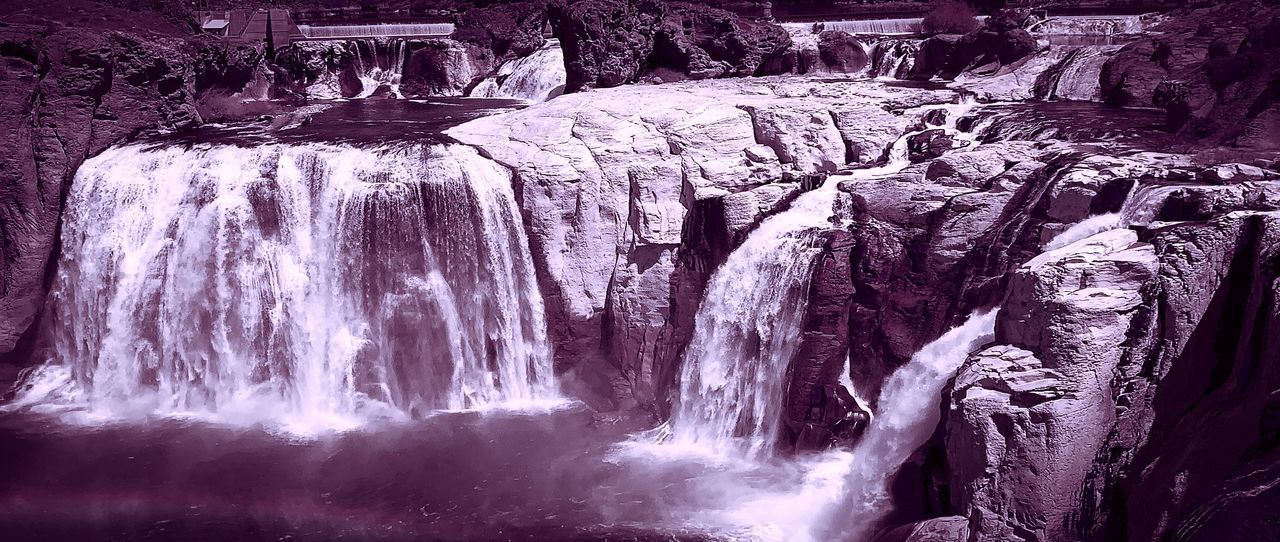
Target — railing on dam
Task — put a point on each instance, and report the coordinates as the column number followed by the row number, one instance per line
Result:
column 389, row 30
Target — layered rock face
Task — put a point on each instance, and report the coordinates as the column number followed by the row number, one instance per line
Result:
column 1213, row 69
column 1125, row 396
column 613, row 42
column 70, row 92
column 632, row 200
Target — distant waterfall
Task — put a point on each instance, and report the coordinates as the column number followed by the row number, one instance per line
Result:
column 536, row 78
column 869, row 26
column 374, row 62
column 311, row 283
column 389, row 30
column 907, row 415
column 1090, row 25
column 1077, row 76
column 380, row 62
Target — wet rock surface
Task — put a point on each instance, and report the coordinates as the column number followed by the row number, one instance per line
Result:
column 69, row 93
column 622, row 200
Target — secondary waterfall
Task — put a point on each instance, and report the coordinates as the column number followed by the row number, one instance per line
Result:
column 892, row 57
column 536, row 78
column 312, row 284
column 380, row 62
column 747, row 331
column 907, row 415
column 749, row 324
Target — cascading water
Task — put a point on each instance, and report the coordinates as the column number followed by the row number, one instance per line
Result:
column 867, row 26
column 1139, row 209
column 536, row 78
column 747, row 331
column 907, row 415
column 312, row 285
column 1076, row 76
column 386, row 30
column 749, row 324
column 380, row 62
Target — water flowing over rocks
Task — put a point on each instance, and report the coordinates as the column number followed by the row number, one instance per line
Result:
column 612, row 194
column 937, row 319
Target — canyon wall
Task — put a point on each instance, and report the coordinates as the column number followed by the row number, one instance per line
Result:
column 71, row 92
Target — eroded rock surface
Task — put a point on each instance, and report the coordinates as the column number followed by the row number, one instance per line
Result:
column 618, row 187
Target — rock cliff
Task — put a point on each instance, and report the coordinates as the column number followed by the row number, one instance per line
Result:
column 632, row 195
column 70, row 91
column 1213, row 69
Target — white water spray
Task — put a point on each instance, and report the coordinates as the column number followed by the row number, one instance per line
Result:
column 311, row 286
column 907, row 416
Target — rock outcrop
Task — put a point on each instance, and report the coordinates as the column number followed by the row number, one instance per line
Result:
column 629, row 200
column 1213, row 69
column 612, row 42
column 71, row 91
column 1075, row 424
column 1000, row 41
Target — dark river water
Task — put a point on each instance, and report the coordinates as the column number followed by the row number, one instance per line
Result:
column 461, row 476
column 372, row 121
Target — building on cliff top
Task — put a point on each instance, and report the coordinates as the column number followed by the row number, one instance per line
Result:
column 275, row 26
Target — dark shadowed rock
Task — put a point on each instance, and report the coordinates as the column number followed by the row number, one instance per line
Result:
column 70, row 93
column 613, row 42
column 444, row 68
column 841, row 52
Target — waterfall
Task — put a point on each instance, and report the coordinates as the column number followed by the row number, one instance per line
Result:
column 749, row 324
column 1090, row 25
column 747, row 330
column 311, row 285
column 390, row 30
column 380, row 62
column 907, row 415
column 869, row 26
column 374, row 62
column 1139, row 209
column 536, row 78
column 893, row 58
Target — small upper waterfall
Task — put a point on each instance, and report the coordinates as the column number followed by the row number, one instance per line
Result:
column 892, row 57
column 1076, row 77
column 313, row 284
column 536, row 78
column 380, row 63
column 1090, row 25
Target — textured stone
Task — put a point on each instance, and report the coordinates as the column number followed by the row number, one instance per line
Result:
column 621, row 187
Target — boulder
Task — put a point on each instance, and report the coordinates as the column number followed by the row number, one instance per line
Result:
column 1231, row 174
column 444, row 68
column 840, row 52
